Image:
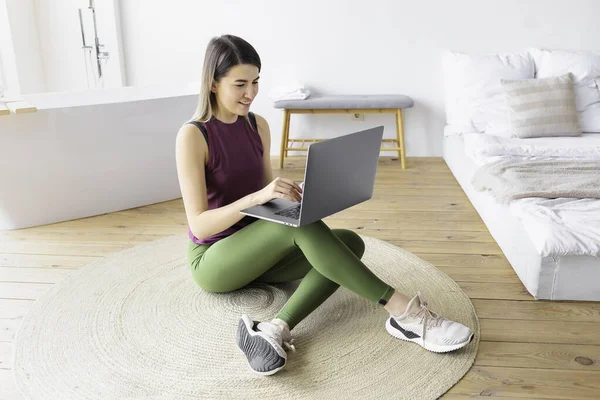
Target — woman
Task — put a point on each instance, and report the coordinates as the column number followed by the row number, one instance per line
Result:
column 223, row 166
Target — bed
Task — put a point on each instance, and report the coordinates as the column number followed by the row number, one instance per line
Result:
column 522, row 138
column 554, row 259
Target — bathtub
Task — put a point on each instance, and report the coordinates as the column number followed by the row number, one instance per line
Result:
column 89, row 153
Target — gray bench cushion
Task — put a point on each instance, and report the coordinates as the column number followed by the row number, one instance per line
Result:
column 348, row 101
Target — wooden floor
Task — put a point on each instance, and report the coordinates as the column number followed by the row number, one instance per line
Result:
column 529, row 349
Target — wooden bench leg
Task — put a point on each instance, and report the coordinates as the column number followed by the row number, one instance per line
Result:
column 287, row 134
column 400, row 137
column 284, row 136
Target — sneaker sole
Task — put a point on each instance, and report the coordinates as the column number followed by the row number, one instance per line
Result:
column 261, row 356
column 428, row 346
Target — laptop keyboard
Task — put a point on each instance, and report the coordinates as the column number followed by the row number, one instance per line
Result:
column 291, row 212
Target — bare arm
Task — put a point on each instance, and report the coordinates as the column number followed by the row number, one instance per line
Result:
column 265, row 135
column 192, row 155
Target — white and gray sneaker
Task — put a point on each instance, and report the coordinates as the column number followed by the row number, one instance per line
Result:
column 420, row 325
column 263, row 344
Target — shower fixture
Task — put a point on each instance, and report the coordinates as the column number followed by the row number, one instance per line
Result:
column 93, row 54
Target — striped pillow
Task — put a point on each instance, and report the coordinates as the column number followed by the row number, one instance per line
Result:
column 542, row 107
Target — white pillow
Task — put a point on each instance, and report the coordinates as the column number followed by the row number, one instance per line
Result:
column 542, row 107
column 585, row 67
column 474, row 100
column 593, row 118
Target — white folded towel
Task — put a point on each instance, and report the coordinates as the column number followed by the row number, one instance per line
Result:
column 295, row 91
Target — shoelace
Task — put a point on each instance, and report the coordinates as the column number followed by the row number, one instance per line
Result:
column 427, row 317
column 276, row 332
column 289, row 345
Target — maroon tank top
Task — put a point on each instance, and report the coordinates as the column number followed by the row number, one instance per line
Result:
column 235, row 168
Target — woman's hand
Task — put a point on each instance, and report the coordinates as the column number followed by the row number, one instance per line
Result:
column 279, row 188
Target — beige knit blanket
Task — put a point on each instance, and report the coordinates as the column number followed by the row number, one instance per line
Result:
column 508, row 180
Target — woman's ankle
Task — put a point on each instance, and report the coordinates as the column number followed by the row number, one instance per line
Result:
column 397, row 303
column 281, row 322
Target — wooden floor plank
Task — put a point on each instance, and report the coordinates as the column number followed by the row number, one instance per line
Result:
column 8, row 387
column 66, row 248
column 406, row 221
column 33, row 275
column 391, row 233
column 9, row 328
column 44, row 261
column 539, row 356
column 477, row 261
column 507, row 330
column 483, row 275
column 539, row 310
column 26, row 291
column 526, row 383
column 14, row 308
column 494, row 290
column 6, row 355
column 423, row 246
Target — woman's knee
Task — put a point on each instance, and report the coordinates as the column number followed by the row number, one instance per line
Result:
column 315, row 226
column 352, row 240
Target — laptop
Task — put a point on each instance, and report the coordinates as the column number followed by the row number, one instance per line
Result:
column 339, row 174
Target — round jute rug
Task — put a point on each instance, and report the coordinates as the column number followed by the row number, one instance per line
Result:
column 134, row 325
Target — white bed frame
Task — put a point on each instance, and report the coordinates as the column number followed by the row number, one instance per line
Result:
column 551, row 277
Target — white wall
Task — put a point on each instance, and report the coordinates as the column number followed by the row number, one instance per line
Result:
column 21, row 47
column 349, row 46
column 60, row 40
column 60, row 37
column 9, row 80
column 46, row 44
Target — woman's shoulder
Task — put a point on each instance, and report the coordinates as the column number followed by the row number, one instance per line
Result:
column 192, row 135
column 260, row 120
column 262, row 124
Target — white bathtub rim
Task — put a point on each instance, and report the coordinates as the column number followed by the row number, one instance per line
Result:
column 92, row 97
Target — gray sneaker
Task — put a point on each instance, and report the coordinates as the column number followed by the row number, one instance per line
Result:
column 263, row 344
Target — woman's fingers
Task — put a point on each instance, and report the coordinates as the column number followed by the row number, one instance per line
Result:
column 288, row 192
column 288, row 187
column 284, row 196
column 290, row 183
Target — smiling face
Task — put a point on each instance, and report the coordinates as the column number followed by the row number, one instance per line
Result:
column 235, row 92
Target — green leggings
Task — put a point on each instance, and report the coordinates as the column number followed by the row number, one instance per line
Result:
column 269, row 252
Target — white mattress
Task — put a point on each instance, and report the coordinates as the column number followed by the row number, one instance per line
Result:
column 564, row 226
column 556, row 277
column 488, row 148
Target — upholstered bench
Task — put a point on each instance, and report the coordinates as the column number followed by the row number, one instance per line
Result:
column 344, row 104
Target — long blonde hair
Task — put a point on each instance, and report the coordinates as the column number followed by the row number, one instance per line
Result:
column 222, row 53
